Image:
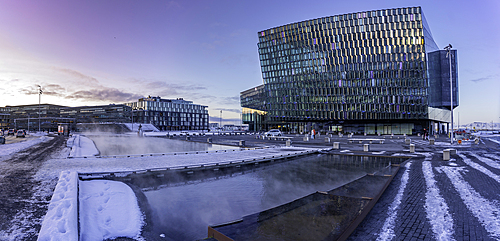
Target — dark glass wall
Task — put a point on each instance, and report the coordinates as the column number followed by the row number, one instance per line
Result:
column 439, row 79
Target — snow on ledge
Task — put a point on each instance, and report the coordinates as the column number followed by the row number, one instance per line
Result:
column 82, row 146
column 61, row 220
column 108, row 209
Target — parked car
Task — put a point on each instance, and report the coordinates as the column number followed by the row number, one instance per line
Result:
column 273, row 132
column 20, row 133
column 11, row 132
column 2, row 138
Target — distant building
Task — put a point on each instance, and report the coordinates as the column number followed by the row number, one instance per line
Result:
column 374, row 72
column 27, row 117
column 98, row 114
column 170, row 114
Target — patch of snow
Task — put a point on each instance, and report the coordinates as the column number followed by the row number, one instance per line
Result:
column 82, row 147
column 453, row 164
column 345, row 151
column 496, row 157
column 436, row 207
column 494, row 140
column 108, row 209
column 61, row 220
column 7, row 149
column 378, row 153
column 479, row 168
column 388, row 228
column 486, row 161
column 483, row 209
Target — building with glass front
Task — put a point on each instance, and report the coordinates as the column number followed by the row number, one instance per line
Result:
column 374, row 72
column 169, row 114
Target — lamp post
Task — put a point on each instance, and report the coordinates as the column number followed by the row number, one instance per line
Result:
column 220, row 121
column 448, row 55
column 39, row 100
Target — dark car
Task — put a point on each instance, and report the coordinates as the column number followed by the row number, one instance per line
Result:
column 2, row 138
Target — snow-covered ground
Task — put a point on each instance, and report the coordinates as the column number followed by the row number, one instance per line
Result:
column 7, row 149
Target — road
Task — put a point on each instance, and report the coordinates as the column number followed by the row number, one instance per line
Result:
column 21, row 207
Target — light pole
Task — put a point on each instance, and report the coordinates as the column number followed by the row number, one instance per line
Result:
column 448, row 55
column 39, row 100
column 220, row 121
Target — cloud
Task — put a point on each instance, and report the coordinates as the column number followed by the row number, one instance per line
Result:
column 109, row 94
column 484, row 78
column 85, row 79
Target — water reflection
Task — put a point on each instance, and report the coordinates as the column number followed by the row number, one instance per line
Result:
column 183, row 212
column 130, row 145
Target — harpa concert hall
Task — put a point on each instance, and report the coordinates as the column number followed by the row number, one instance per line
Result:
column 374, row 72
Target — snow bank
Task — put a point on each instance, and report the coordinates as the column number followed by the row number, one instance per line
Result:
column 7, row 149
column 82, row 146
column 108, row 209
column 61, row 220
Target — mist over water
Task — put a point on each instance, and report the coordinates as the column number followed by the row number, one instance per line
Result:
column 131, row 144
column 184, row 212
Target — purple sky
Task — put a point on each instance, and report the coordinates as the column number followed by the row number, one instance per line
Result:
column 102, row 52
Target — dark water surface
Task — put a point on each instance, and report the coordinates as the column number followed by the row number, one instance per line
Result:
column 184, row 212
column 130, row 145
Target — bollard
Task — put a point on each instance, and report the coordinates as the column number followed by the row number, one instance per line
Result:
column 431, row 141
column 288, row 143
column 366, row 147
column 209, row 140
column 306, row 138
column 327, row 139
column 336, row 145
column 242, row 143
column 407, row 141
column 446, row 155
column 412, row 148
column 476, row 141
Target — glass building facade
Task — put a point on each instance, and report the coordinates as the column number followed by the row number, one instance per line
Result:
column 168, row 114
column 358, row 72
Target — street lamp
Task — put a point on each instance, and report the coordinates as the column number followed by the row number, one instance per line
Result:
column 39, row 100
column 448, row 55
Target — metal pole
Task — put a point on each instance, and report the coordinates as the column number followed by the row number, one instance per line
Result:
column 220, row 121
column 448, row 48
column 39, row 100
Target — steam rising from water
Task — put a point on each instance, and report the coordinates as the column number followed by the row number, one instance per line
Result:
column 183, row 212
column 131, row 144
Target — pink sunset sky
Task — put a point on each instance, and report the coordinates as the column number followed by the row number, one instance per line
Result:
column 115, row 51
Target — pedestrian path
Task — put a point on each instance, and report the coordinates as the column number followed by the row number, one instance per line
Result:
column 431, row 199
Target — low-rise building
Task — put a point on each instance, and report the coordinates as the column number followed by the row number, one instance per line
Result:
column 170, row 114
